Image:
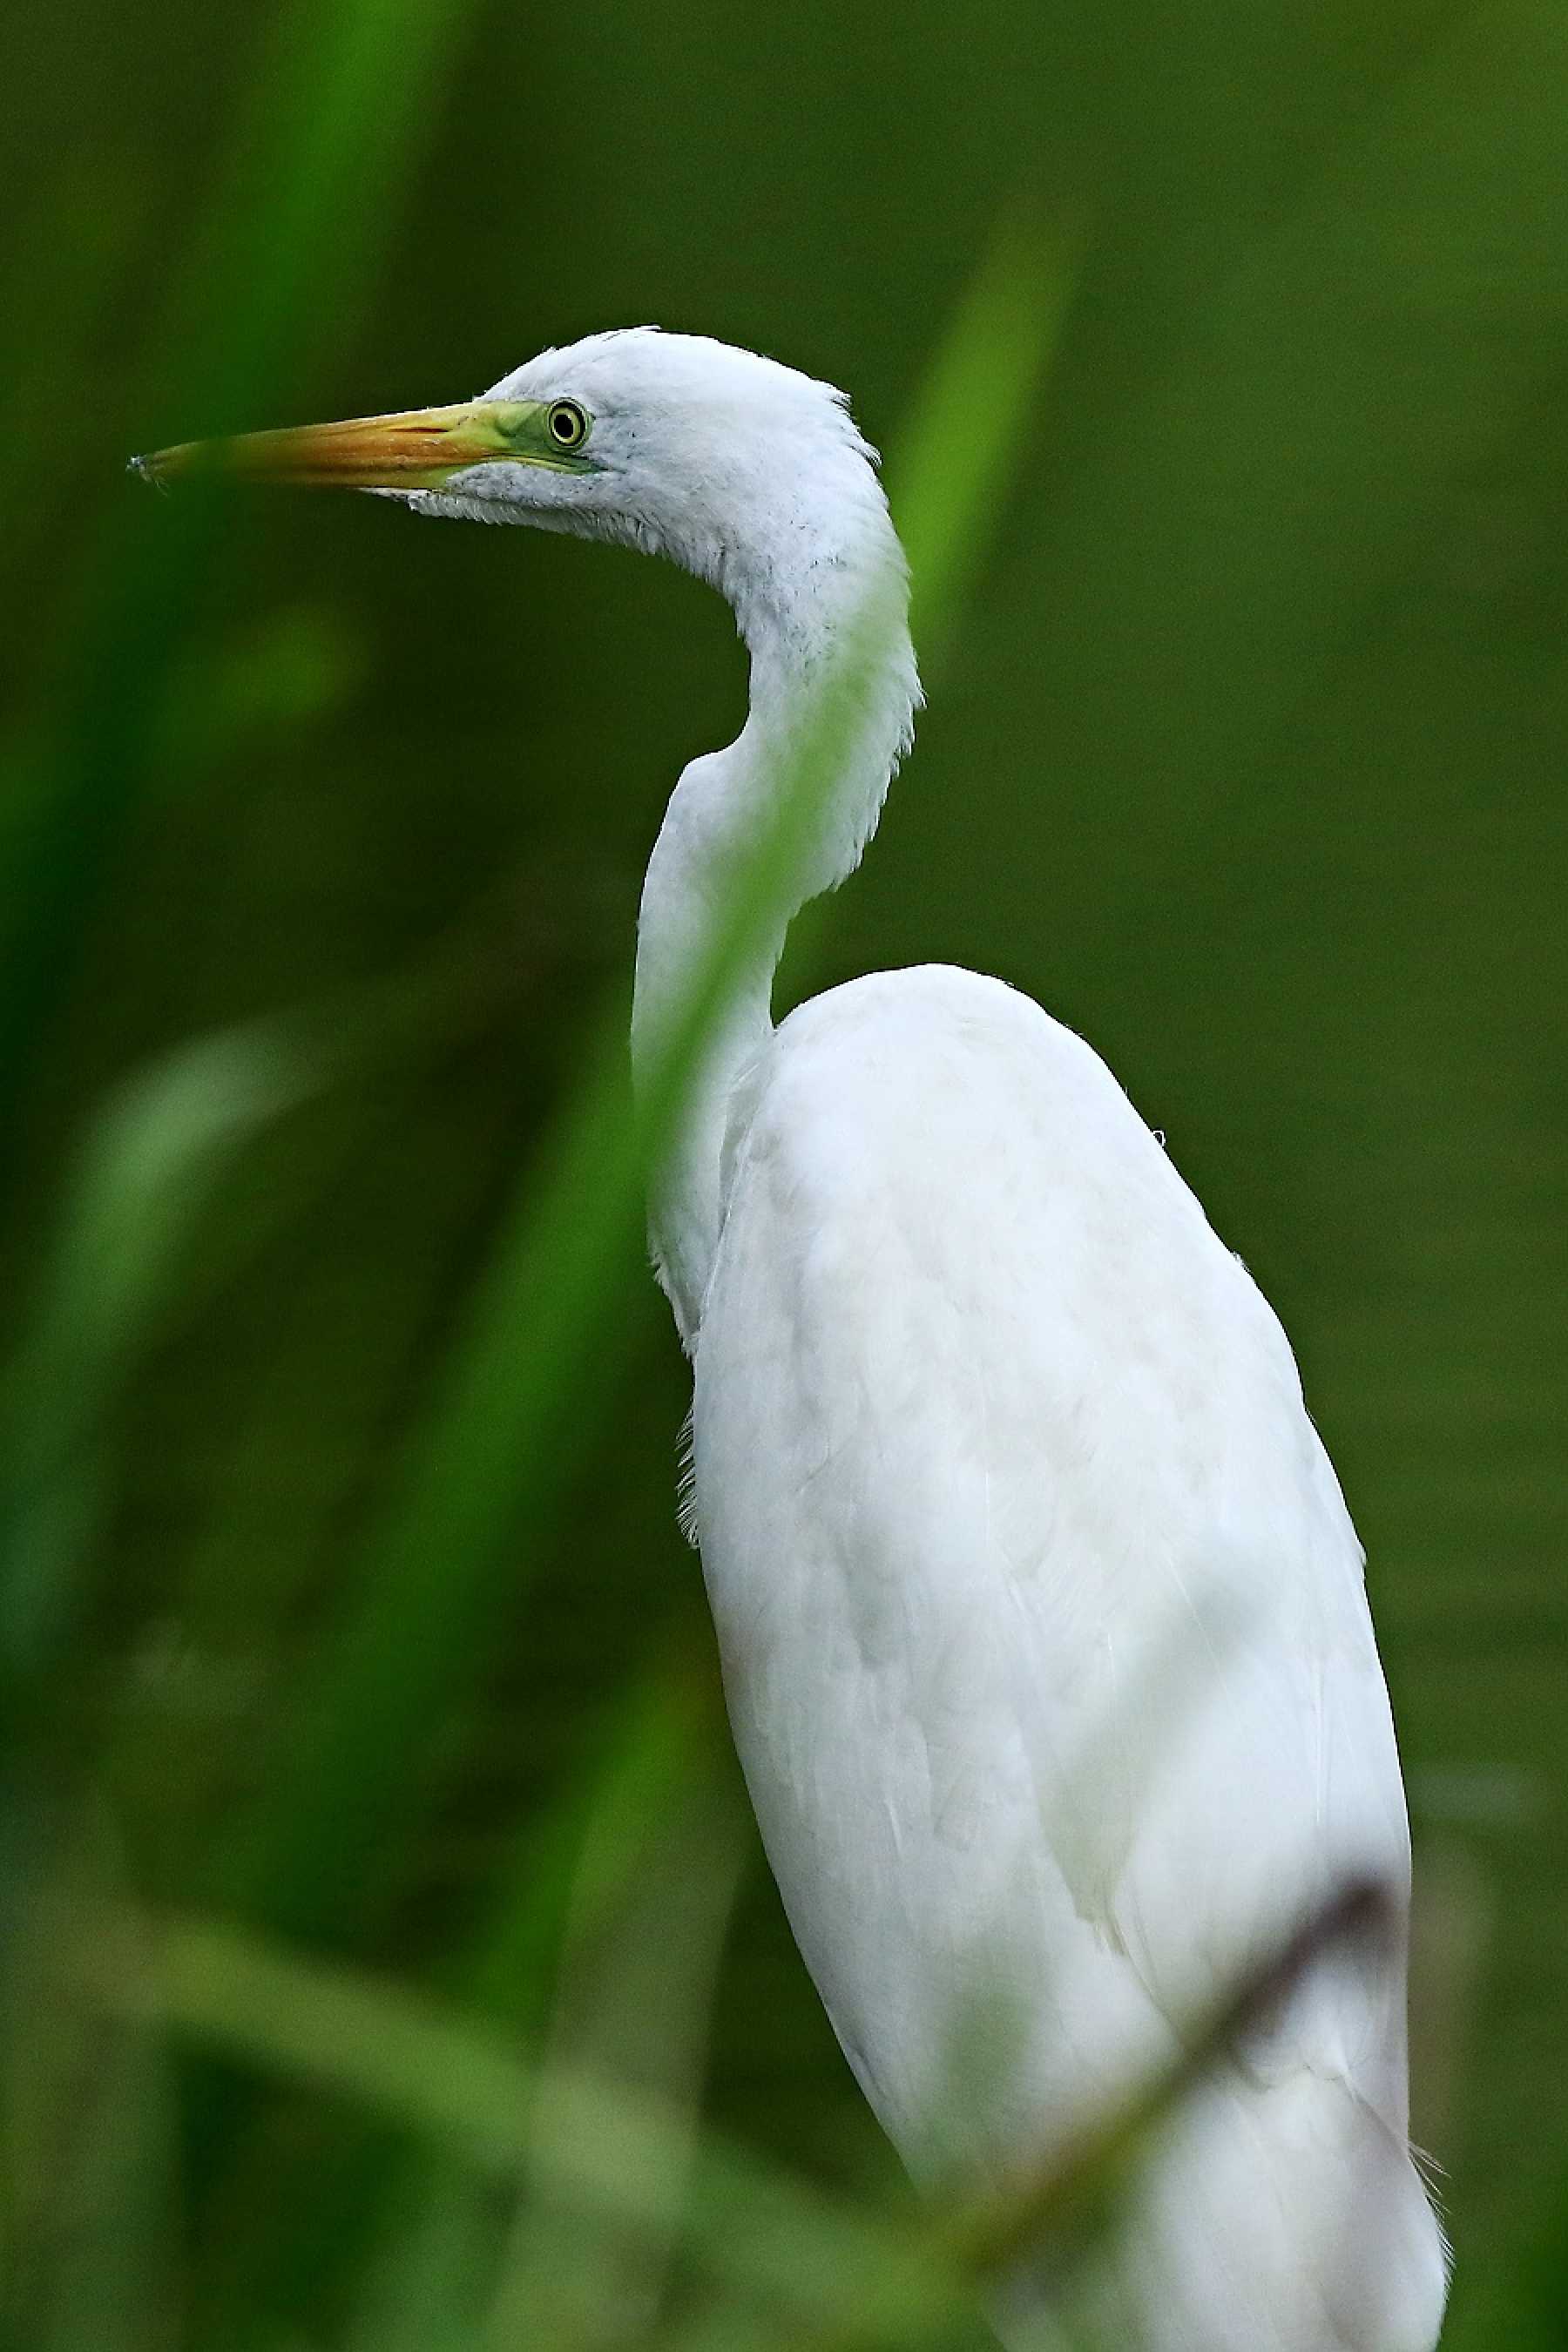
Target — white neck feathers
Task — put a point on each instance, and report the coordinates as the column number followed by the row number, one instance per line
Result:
column 818, row 585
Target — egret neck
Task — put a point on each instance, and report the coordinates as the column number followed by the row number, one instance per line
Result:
column 820, row 592
column 757, row 480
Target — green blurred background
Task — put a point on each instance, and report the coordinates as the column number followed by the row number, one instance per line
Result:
column 1246, row 760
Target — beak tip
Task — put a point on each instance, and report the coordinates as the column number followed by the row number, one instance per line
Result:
column 148, row 468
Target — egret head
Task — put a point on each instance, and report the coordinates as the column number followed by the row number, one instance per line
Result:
column 687, row 447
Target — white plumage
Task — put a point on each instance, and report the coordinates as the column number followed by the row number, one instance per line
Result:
column 1048, row 1652
column 1042, row 1619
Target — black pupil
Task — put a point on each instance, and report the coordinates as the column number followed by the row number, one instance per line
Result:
column 565, row 423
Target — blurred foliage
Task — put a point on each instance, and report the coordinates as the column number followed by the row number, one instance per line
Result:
column 342, row 1592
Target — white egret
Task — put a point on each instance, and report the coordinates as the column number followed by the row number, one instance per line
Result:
column 986, row 1421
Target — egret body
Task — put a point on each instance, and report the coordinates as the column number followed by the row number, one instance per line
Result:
column 1043, row 1625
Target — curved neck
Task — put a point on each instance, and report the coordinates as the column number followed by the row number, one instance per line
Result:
column 795, row 632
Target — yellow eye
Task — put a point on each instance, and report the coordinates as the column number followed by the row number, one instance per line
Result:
column 566, row 424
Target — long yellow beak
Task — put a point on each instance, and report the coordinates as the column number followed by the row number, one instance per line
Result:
column 418, row 449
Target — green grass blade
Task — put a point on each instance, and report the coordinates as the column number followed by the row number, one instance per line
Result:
column 149, row 1167
column 570, row 1900
column 960, row 449
column 659, row 1873
column 336, row 113
column 88, row 2213
column 428, row 2069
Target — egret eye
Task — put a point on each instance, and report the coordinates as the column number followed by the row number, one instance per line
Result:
column 566, row 424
